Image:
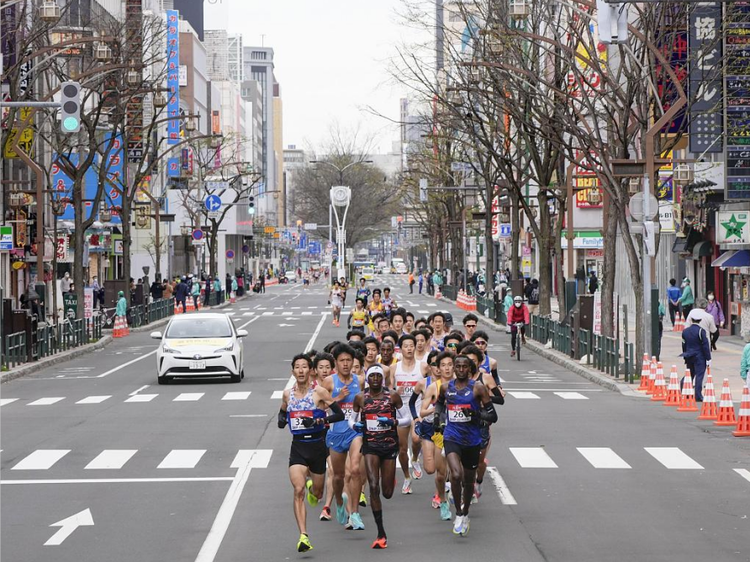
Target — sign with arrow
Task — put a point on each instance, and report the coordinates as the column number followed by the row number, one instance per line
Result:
column 68, row 525
column 213, row 203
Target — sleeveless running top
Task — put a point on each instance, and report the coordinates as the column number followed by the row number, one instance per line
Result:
column 346, row 405
column 299, row 408
column 459, row 427
column 358, row 318
column 405, row 383
column 485, row 366
column 377, row 435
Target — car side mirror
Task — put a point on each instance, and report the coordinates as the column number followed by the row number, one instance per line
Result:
column 241, row 333
column 155, row 335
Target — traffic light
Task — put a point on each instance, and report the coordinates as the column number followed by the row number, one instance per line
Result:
column 70, row 107
column 251, row 205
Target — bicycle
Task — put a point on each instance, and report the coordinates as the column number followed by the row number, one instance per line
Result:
column 519, row 337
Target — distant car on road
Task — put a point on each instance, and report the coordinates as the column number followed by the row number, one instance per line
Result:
column 291, row 276
column 200, row 346
column 368, row 273
column 401, row 268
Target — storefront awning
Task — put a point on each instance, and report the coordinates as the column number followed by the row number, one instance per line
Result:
column 719, row 262
column 741, row 258
column 702, row 249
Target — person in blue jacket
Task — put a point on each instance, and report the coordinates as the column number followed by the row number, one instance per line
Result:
column 696, row 351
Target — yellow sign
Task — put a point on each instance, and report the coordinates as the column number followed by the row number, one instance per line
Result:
column 143, row 190
column 208, row 342
column 270, row 230
column 277, row 234
column 25, row 142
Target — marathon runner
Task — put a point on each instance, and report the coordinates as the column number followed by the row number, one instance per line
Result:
column 303, row 409
column 355, row 335
column 323, row 363
column 372, row 345
column 336, row 300
column 362, row 291
column 461, row 406
column 388, row 302
column 344, row 288
column 379, row 410
column 470, row 322
column 359, row 317
column 421, row 353
column 343, row 442
column 489, row 365
column 409, row 324
column 376, row 306
column 437, row 323
column 452, row 341
column 398, row 319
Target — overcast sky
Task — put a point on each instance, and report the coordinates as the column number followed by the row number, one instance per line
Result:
column 331, row 59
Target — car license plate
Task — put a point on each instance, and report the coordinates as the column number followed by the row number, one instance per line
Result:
column 197, row 365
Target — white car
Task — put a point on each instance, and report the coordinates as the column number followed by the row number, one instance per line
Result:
column 291, row 276
column 199, row 346
column 401, row 268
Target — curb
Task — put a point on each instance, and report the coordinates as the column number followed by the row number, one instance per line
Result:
column 54, row 360
column 562, row 360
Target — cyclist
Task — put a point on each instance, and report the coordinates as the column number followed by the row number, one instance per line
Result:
column 518, row 317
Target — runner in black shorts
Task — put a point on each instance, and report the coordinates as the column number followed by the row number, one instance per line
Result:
column 378, row 409
column 303, row 408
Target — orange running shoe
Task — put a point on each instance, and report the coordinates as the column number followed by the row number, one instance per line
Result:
column 380, row 542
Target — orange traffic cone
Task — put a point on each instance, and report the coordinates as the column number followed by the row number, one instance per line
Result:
column 673, row 390
column 190, row 304
column 644, row 373
column 677, row 322
column 121, row 327
column 653, row 371
column 687, row 402
column 743, row 419
column 680, row 323
column 708, row 410
column 726, row 407
column 660, row 386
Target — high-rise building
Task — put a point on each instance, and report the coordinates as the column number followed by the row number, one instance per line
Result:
column 224, row 55
column 190, row 10
column 295, row 159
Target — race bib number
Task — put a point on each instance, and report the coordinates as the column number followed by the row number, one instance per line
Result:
column 348, row 409
column 457, row 413
column 405, row 388
column 296, row 417
column 373, row 425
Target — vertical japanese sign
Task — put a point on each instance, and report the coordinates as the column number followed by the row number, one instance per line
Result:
column 8, row 36
column 673, row 44
column 173, row 167
column 706, row 83
column 173, row 76
column 134, row 106
column 737, row 57
column 216, row 130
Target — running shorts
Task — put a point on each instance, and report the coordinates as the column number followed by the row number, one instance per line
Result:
column 484, row 431
column 425, row 430
column 340, row 442
column 469, row 455
column 384, row 454
column 312, row 454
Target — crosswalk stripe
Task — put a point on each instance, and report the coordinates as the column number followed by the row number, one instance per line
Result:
column 277, row 395
column 5, row 401
column 236, row 396
column 46, row 401
column 94, row 399
column 268, row 314
column 244, row 309
column 532, row 457
column 524, row 395
column 189, row 397
column 182, row 458
column 673, row 458
column 287, row 313
column 572, row 395
column 142, row 398
column 111, row 459
column 230, row 313
column 423, row 311
column 307, row 313
column 247, row 313
column 41, row 459
column 602, row 457
column 743, row 472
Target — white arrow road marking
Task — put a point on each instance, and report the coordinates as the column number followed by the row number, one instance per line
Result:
column 502, row 489
column 286, row 325
column 68, row 525
column 244, row 462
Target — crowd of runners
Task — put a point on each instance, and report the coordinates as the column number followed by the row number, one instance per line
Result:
column 397, row 388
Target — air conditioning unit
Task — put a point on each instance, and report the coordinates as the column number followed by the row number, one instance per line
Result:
column 520, row 8
column 683, row 175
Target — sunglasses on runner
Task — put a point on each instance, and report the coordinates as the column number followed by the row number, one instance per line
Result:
column 470, row 325
column 480, row 342
column 452, row 345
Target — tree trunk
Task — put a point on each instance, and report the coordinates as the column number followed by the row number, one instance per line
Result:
column 78, row 240
column 609, row 271
column 636, row 277
column 126, row 244
column 515, row 225
column 212, row 250
column 560, row 288
column 545, row 251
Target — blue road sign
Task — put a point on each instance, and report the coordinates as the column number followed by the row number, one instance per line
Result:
column 505, row 230
column 213, row 203
column 230, row 254
column 197, row 235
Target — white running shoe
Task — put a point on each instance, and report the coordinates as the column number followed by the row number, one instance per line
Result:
column 416, row 470
column 465, row 526
column 406, row 488
column 458, row 525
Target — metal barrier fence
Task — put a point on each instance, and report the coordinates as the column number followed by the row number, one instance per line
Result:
column 15, row 350
column 449, row 292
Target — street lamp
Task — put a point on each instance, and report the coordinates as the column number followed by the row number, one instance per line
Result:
column 341, row 197
column 103, row 53
column 49, row 11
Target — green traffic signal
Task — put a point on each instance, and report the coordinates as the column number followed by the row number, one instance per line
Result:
column 70, row 124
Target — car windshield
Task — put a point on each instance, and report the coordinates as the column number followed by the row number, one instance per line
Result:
column 197, row 327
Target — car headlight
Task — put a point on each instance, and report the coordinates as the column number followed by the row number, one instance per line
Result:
column 166, row 349
column 228, row 347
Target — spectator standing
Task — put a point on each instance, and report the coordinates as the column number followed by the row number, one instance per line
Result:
column 181, row 293
column 217, row 290
column 195, row 292
column 65, row 283
column 122, row 305
column 745, row 363
column 235, row 285
column 696, row 351
column 700, row 316
column 207, row 292
column 686, row 300
column 421, row 282
column 532, row 296
column 156, row 290
column 262, row 280
column 411, row 282
column 228, row 284
column 673, row 299
column 430, row 284
column 593, row 282
column 714, row 309
column 168, row 292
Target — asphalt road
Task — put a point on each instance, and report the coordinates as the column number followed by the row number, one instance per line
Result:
column 197, row 471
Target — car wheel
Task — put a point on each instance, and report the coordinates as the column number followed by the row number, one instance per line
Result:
column 242, row 374
column 163, row 380
column 236, row 378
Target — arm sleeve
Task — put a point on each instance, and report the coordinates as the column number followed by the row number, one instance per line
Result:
column 496, row 396
column 337, row 415
column 705, row 345
column 413, row 404
column 354, row 418
column 487, row 413
column 281, row 419
column 401, row 417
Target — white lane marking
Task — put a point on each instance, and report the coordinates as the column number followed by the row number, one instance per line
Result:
column 572, row 395
column 189, row 397
column 295, row 307
column 41, row 459
column 230, row 313
column 144, row 387
column 248, row 313
column 94, row 399
column 182, row 458
column 107, row 373
column 287, row 313
column 673, row 458
column 117, row 480
column 69, row 525
column 277, row 395
column 236, row 396
column 431, row 304
column 423, row 311
column 743, row 472
column 307, row 313
column 142, row 398
column 602, row 457
column 248, row 322
column 524, row 395
column 506, row 498
column 243, row 309
column 553, row 389
column 46, row 401
column 111, row 459
column 532, row 457
column 6, row 401
column 248, row 416
column 245, row 461
column 268, row 314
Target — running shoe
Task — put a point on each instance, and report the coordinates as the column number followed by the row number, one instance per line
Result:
column 478, row 490
column 325, row 515
column 355, row 519
column 416, row 470
column 435, row 501
column 380, row 542
column 465, row 523
column 349, row 526
column 406, row 488
column 458, row 524
column 474, row 498
column 311, row 498
column 362, row 499
column 445, row 511
column 304, row 543
column 341, row 511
